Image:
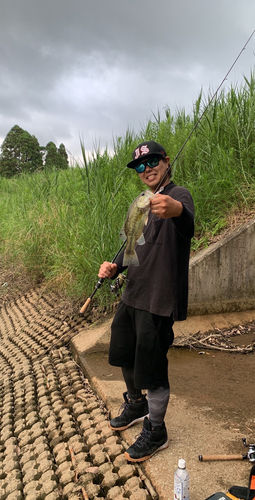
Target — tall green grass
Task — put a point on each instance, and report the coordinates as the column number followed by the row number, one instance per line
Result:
column 60, row 225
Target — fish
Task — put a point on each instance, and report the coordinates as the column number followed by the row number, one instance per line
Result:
column 132, row 231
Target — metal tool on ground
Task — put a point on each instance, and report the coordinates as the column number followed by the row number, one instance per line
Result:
column 250, row 455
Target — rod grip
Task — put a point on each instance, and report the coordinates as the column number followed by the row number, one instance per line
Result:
column 205, row 458
column 85, row 305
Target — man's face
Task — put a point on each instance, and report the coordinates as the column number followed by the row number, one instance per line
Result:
column 153, row 176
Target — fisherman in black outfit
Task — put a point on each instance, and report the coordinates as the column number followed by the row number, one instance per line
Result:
column 155, row 296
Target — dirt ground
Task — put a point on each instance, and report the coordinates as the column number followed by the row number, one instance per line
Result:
column 219, row 380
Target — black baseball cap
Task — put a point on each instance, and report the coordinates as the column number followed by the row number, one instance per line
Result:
column 146, row 150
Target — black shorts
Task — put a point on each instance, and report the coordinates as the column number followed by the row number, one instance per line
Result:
column 141, row 340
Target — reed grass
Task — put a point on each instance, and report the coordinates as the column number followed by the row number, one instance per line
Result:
column 61, row 225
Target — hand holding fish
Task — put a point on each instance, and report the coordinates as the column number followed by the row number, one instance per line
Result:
column 161, row 205
column 107, row 270
column 165, row 207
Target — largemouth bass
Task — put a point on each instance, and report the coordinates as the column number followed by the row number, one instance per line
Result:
column 132, row 230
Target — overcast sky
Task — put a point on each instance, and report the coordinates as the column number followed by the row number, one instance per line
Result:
column 91, row 69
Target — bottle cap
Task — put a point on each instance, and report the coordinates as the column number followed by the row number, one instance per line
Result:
column 181, row 463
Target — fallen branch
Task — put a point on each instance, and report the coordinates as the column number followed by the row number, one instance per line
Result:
column 219, row 340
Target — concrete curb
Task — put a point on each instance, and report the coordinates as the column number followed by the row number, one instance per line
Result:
column 222, row 277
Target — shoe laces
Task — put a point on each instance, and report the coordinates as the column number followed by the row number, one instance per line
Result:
column 124, row 408
column 142, row 438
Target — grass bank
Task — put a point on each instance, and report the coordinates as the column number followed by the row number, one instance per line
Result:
column 60, row 225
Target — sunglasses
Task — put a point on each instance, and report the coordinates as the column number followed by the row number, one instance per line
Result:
column 153, row 162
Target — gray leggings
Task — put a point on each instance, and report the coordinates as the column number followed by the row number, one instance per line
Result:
column 157, row 398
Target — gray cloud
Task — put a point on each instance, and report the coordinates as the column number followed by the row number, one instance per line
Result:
column 93, row 68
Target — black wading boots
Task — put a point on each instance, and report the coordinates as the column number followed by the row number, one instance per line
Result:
column 151, row 440
column 133, row 412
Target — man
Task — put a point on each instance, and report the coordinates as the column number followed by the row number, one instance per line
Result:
column 155, row 296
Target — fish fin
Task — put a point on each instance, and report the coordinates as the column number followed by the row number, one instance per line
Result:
column 130, row 259
column 146, row 221
column 141, row 240
column 123, row 234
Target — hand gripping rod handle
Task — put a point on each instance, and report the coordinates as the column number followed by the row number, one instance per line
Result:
column 99, row 283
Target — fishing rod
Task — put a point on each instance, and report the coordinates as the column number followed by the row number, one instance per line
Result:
column 210, row 102
column 250, row 455
column 100, row 282
column 169, row 169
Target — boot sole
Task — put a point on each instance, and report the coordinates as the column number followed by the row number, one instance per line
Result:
column 129, row 425
column 141, row 459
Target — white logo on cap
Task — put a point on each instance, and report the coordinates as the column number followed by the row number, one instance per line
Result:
column 141, row 151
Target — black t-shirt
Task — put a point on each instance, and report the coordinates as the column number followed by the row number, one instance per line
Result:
column 160, row 283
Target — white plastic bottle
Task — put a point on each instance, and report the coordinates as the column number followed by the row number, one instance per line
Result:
column 181, row 481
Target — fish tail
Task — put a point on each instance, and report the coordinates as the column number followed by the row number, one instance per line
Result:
column 130, row 259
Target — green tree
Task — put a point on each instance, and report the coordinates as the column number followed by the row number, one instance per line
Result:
column 52, row 157
column 64, row 157
column 21, row 152
column 55, row 158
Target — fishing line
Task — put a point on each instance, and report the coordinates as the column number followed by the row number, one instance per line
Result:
column 170, row 168
column 101, row 280
column 206, row 108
